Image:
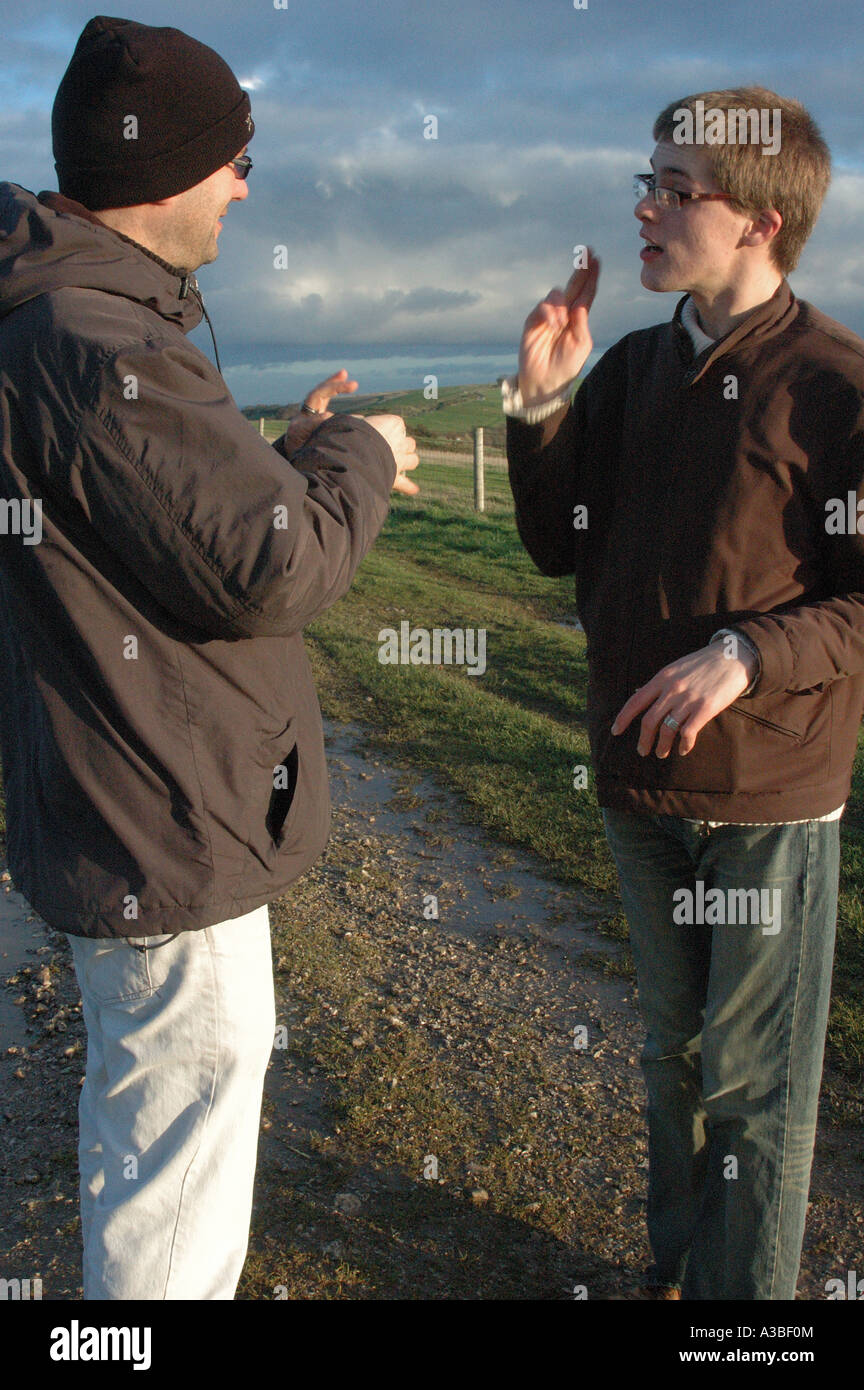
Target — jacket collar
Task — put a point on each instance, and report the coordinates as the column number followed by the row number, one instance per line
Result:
column 57, row 202
column 49, row 241
column 763, row 322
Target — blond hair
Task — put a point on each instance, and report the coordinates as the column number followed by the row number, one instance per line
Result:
column 793, row 181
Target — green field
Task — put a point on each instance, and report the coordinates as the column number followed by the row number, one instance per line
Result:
column 508, row 740
column 445, row 423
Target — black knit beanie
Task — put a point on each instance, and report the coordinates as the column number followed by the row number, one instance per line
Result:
column 143, row 113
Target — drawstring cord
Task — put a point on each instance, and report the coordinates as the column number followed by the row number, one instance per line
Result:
column 156, row 944
column 188, row 283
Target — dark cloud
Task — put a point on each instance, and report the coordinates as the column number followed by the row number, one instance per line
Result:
column 427, row 300
column 543, row 112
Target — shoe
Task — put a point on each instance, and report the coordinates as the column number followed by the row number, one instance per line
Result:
column 648, row 1293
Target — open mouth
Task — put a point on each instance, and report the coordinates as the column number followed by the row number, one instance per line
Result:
column 651, row 251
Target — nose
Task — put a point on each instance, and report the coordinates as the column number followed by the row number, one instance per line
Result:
column 645, row 207
column 241, row 189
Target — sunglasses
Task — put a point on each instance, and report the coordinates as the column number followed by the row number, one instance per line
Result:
column 241, row 166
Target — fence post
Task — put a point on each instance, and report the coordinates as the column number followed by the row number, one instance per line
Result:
column 261, row 424
column 479, row 480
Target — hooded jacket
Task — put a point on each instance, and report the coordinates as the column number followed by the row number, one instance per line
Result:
column 161, row 741
column 714, row 487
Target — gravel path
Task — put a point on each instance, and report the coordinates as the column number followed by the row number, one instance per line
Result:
column 454, row 1107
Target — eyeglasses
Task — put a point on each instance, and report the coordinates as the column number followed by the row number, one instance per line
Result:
column 241, row 166
column 643, row 184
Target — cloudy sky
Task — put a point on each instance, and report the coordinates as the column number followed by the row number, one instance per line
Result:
column 409, row 255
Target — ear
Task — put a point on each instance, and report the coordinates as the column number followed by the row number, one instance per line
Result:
column 763, row 228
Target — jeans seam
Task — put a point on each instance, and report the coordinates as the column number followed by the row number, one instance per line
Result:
column 210, row 1100
column 794, row 1019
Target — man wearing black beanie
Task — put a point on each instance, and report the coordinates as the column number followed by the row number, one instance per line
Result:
column 161, row 742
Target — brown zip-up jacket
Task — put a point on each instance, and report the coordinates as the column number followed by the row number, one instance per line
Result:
column 713, row 486
column 163, row 756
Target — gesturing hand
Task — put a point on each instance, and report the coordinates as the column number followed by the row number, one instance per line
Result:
column 336, row 385
column 303, row 426
column 690, row 691
column 555, row 340
column 392, row 427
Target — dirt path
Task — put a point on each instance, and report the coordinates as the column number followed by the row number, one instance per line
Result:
column 436, row 1123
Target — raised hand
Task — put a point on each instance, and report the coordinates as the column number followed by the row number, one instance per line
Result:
column 555, row 340
column 336, row 385
column 303, row 426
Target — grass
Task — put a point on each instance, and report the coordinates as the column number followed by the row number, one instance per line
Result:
column 483, row 1106
column 508, row 740
column 445, row 422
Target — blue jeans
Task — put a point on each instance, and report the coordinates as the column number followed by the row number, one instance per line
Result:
column 736, row 1014
column 179, row 1034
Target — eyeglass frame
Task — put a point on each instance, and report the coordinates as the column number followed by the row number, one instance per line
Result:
column 241, row 166
column 674, row 196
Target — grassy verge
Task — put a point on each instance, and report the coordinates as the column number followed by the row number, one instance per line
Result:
column 446, row 422
column 508, row 741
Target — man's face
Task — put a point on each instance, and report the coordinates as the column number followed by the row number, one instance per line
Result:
column 195, row 223
column 699, row 241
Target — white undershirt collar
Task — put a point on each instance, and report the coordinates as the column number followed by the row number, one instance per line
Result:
column 690, row 320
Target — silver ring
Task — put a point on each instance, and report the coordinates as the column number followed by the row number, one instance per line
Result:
column 307, row 410
column 673, row 723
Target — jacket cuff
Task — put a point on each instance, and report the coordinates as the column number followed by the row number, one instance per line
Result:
column 751, row 647
column 511, row 401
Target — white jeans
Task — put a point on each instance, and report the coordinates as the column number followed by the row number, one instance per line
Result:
column 179, row 1035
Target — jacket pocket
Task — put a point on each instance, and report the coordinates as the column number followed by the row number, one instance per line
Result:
column 282, row 796
column 755, row 746
column 766, row 723
column 273, row 795
column 802, row 721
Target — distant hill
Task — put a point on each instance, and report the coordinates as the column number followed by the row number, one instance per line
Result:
column 445, row 423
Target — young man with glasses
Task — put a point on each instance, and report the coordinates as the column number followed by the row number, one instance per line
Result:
column 725, row 635
column 162, row 748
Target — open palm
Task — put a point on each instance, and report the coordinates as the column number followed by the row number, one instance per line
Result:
column 556, row 340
